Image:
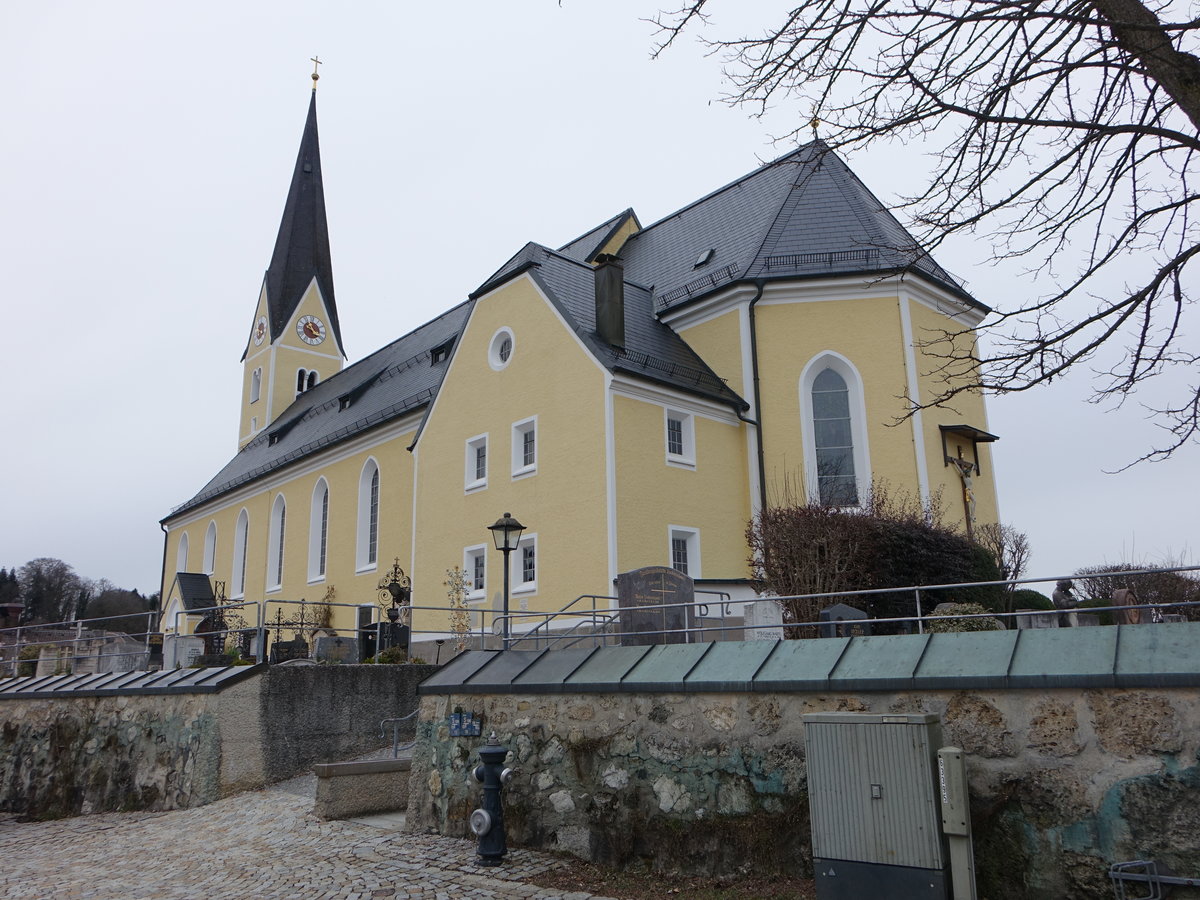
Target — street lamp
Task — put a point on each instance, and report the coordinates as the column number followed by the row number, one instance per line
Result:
column 507, row 534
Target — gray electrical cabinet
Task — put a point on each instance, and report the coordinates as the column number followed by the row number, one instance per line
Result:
column 874, row 803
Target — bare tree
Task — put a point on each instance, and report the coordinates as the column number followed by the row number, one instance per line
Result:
column 1062, row 129
column 1010, row 549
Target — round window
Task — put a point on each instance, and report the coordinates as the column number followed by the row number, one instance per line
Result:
column 501, row 349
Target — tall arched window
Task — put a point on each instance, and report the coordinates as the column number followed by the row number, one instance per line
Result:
column 241, row 532
column 318, row 530
column 368, row 516
column 275, row 544
column 181, row 554
column 210, row 549
column 837, row 466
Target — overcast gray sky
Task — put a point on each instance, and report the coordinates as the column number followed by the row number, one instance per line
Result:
column 146, row 155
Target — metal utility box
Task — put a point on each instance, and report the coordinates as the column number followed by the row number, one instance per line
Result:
column 874, row 803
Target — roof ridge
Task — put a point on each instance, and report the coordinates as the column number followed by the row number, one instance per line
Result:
column 735, row 183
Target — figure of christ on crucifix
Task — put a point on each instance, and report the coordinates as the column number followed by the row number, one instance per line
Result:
column 965, row 469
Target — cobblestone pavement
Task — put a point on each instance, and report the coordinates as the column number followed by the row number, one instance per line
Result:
column 264, row 845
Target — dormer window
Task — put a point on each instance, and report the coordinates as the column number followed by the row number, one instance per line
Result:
column 441, row 353
column 705, row 258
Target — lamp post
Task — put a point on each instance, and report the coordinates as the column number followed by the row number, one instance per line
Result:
column 507, row 535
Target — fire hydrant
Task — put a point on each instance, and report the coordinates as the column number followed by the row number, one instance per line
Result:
column 488, row 823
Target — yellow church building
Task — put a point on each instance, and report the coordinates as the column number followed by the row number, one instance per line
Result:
column 633, row 397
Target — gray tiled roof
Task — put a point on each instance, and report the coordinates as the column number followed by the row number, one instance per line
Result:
column 395, row 381
column 803, row 215
column 585, row 247
column 195, row 590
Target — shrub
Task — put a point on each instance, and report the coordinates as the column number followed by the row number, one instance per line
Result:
column 945, row 626
column 1027, row 598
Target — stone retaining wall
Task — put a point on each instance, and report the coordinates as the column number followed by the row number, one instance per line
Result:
column 1063, row 782
column 76, row 754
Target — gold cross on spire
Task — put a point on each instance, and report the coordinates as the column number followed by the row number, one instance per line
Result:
column 316, row 62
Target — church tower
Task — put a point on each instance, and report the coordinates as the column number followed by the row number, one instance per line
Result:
column 295, row 340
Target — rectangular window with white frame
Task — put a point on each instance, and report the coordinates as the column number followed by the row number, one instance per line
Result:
column 475, row 477
column 475, row 571
column 524, row 561
column 680, row 438
column 524, row 447
column 683, row 550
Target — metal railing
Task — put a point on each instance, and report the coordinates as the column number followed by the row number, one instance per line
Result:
column 589, row 619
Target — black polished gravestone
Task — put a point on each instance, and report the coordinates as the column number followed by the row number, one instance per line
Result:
column 657, row 606
column 282, row 651
column 841, row 620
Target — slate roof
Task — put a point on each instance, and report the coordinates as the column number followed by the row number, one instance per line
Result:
column 804, row 215
column 302, row 245
column 398, row 380
column 195, row 590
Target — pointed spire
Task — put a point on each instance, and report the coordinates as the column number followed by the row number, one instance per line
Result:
column 302, row 247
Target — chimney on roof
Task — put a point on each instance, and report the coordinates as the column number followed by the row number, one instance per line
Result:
column 610, row 299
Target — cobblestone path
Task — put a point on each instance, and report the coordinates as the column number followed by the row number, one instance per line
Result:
column 264, row 844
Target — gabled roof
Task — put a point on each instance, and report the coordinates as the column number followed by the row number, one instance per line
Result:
column 195, row 590
column 652, row 350
column 398, row 380
column 589, row 245
column 302, row 245
column 804, row 215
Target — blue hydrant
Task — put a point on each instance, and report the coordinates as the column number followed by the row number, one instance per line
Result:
column 488, row 822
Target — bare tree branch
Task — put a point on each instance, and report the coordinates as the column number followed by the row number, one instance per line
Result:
column 1065, row 131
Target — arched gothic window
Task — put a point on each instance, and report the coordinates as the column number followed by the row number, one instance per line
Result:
column 210, row 548
column 368, row 516
column 240, row 534
column 318, row 530
column 837, row 465
column 181, row 554
column 275, row 543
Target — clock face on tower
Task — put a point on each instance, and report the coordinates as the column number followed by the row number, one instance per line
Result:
column 311, row 329
column 260, row 330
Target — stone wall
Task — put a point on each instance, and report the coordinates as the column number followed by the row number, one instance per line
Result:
column 75, row 754
column 1063, row 782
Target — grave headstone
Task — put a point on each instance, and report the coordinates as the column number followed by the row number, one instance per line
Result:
column 282, row 651
column 657, row 606
column 764, row 621
column 337, row 649
column 180, row 651
column 841, row 620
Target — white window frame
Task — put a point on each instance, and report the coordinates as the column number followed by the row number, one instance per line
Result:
column 318, row 532
column 181, row 554
column 685, row 459
column 241, row 545
column 363, row 544
column 521, row 469
column 494, row 347
column 256, row 384
column 470, row 554
column 692, row 537
column 210, row 548
column 471, row 482
column 830, row 359
column 276, row 535
column 517, row 561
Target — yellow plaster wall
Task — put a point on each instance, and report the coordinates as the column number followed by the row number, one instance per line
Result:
column 255, row 357
column 292, row 354
column 865, row 331
column 653, row 495
column 614, row 244
column 341, row 472
column 719, row 343
column 968, row 409
column 549, row 375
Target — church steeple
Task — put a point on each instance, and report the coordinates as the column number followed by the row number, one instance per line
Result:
column 296, row 340
column 302, row 245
